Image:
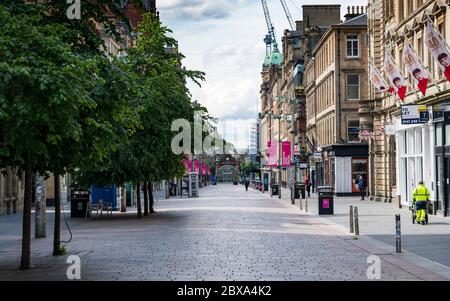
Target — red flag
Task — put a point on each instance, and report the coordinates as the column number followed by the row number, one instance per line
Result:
column 415, row 67
column 396, row 79
column 378, row 80
column 438, row 48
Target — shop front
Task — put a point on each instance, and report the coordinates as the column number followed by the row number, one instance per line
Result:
column 441, row 124
column 343, row 164
column 415, row 159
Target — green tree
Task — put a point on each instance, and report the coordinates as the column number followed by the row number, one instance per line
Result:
column 42, row 88
column 60, row 109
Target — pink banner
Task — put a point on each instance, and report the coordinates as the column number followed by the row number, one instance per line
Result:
column 286, row 153
column 296, row 150
column 204, row 170
column 197, row 165
column 272, row 152
column 209, row 170
column 187, row 165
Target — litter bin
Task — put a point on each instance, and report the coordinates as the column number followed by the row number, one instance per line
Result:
column 79, row 200
column 300, row 189
column 275, row 188
column 326, row 200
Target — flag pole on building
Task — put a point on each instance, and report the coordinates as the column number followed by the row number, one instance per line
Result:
column 438, row 47
column 388, row 53
column 431, row 77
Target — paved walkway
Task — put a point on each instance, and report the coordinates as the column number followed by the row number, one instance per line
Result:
column 226, row 234
column 377, row 220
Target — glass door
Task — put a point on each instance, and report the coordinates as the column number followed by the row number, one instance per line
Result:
column 359, row 168
column 410, row 179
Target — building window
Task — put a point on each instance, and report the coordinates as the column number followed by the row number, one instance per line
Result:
column 447, row 134
column 353, row 46
column 438, row 138
column 353, row 87
column 353, row 131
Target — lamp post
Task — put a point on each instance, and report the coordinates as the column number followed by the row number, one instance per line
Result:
column 278, row 117
column 290, row 101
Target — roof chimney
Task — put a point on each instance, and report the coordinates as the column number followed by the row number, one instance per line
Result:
column 354, row 13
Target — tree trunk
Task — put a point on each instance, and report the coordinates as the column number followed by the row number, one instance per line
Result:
column 123, row 201
column 57, row 231
column 145, row 198
column 26, row 226
column 152, row 200
column 138, row 200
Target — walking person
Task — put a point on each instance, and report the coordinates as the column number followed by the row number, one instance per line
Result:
column 308, row 186
column 421, row 196
column 246, row 183
column 362, row 187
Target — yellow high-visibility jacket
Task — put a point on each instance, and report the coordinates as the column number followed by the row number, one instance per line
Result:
column 421, row 194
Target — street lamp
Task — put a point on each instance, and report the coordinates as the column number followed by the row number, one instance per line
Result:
column 281, row 99
column 278, row 117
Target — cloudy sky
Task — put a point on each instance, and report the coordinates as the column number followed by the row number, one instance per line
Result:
column 224, row 38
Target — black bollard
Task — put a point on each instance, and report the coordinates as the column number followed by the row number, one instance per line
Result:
column 398, row 234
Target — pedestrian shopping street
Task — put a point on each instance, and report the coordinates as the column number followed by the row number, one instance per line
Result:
column 229, row 234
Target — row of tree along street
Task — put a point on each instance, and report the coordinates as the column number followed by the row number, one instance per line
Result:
column 66, row 106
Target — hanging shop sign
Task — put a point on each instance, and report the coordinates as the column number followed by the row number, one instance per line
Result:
column 317, row 156
column 415, row 114
column 273, row 158
column 286, row 154
column 296, row 150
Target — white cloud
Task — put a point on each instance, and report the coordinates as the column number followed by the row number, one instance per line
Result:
column 224, row 38
column 198, row 9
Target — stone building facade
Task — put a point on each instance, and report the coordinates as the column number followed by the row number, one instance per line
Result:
column 11, row 191
column 282, row 91
column 336, row 80
column 407, row 154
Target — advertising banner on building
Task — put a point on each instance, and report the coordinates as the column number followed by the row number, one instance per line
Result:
column 296, row 150
column 286, row 153
column 272, row 150
column 377, row 79
column 396, row 79
column 415, row 114
column 197, row 165
column 438, row 48
column 415, row 67
column 187, row 165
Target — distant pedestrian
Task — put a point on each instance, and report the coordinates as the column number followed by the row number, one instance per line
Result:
column 308, row 186
column 362, row 187
column 246, row 183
